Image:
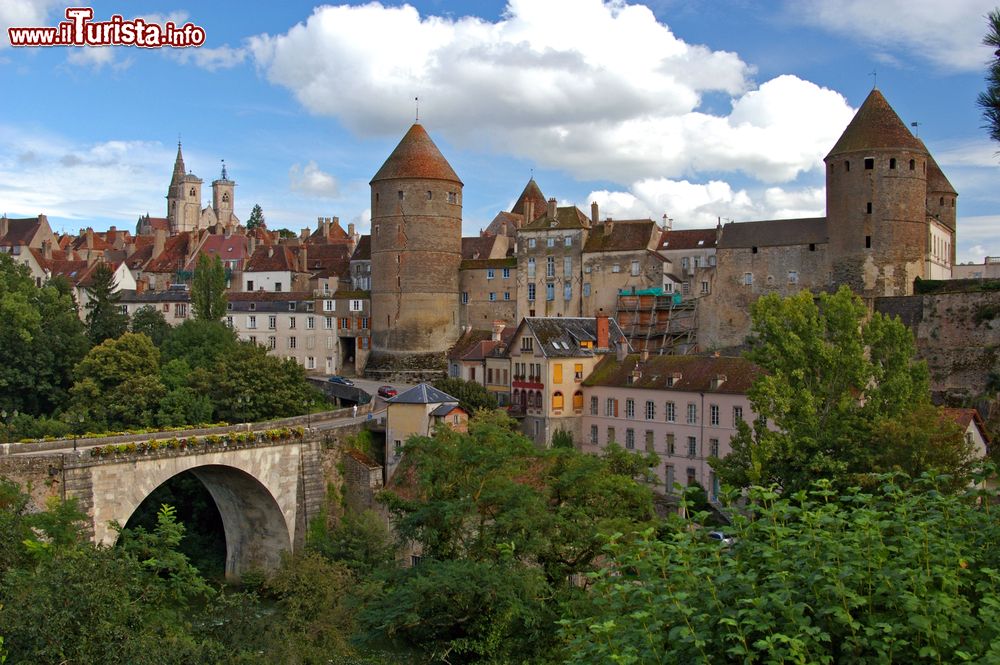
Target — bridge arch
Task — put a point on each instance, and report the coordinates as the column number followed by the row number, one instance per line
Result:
column 254, row 491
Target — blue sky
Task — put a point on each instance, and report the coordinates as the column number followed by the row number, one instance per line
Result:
column 695, row 109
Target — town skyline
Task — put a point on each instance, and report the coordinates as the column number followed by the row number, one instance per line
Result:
column 682, row 111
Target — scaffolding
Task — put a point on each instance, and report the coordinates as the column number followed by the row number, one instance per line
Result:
column 658, row 322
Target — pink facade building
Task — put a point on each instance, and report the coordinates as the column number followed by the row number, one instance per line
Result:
column 683, row 408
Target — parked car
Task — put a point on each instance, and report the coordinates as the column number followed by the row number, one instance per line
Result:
column 721, row 537
column 341, row 380
column 387, row 392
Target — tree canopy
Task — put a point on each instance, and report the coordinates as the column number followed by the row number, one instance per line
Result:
column 989, row 99
column 834, row 378
column 208, row 289
column 256, row 218
column 150, row 321
column 471, row 396
column 105, row 320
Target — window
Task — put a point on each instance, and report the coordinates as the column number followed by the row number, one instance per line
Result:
column 531, row 267
column 753, row 250
column 272, row 322
column 671, row 412
column 692, row 475
column 669, row 478
column 748, row 278
column 578, row 372
column 272, row 342
column 692, row 446
column 328, row 322
column 868, row 242
column 277, row 287
column 493, row 296
column 616, row 268
column 869, row 163
column 357, row 305
column 430, row 195
column 671, row 447
column 868, row 208
column 578, row 401
column 310, row 363
column 635, row 268
column 229, row 321
column 397, row 448
column 568, row 291
column 399, row 195
column 527, row 343
column 913, row 164
column 593, row 406
column 291, row 306
column 630, row 438
column 291, row 323
column 684, row 262
column 452, row 197
column 892, row 162
column 506, row 295
column 345, row 323
column 505, row 273
column 557, row 400
column 611, row 435
column 310, row 322
column 650, row 410
column 593, row 434
column 704, row 288
column 490, row 274
column 329, row 305
column 291, row 342
column 847, row 165
column 550, row 266
column 180, row 310
column 713, row 447
column 465, row 297
column 531, row 243
column 557, row 373
column 737, row 415
column 251, row 322
column 586, row 289
column 567, row 266
column 793, row 277
column 611, row 407
column 630, row 408
column 713, row 411
column 567, row 241
column 550, row 242
column 692, row 414
column 550, row 291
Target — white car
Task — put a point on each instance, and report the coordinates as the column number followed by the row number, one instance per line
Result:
column 721, row 537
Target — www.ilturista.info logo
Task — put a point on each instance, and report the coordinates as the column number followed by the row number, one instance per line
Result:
column 79, row 30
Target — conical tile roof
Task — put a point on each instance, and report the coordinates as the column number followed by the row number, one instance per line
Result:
column 531, row 193
column 416, row 156
column 876, row 126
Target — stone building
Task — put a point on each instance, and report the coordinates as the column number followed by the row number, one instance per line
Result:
column 416, row 251
column 184, row 210
column 488, row 282
column 618, row 256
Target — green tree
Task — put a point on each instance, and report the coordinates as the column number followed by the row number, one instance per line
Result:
column 248, row 384
column 359, row 540
column 200, row 344
column 149, row 321
column 41, row 340
column 256, row 218
column 471, row 396
column 118, row 383
column 989, row 100
column 208, row 289
column 830, row 377
column 903, row 573
column 105, row 319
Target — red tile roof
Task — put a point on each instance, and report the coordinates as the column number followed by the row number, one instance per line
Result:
column 416, row 156
column 688, row 239
column 175, row 252
column 363, row 252
column 273, row 258
column 697, row 373
column 531, row 193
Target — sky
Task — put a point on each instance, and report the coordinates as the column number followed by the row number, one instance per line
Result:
column 696, row 109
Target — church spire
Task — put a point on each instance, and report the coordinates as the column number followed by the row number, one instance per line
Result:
column 178, row 166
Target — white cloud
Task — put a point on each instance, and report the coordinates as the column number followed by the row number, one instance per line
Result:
column 212, row 59
column 25, row 14
column 116, row 180
column 948, row 34
column 598, row 89
column 97, row 57
column 312, row 181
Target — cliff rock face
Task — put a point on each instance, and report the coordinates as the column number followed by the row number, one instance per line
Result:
column 958, row 334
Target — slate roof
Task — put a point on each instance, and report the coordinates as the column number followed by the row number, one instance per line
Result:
column 567, row 217
column 875, row 126
column 774, row 233
column 936, row 179
column 568, row 332
column 513, row 221
column 423, row 393
column 416, row 156
column 446, row 409
column 626, row 235
column 363, row 252
column 687, row 239
column 477, row 247
column 697, row 373
column 170, row 295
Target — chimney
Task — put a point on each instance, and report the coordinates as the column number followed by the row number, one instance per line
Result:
column 350, row 229
column 595, row 215
column 47, row 250
column 335, row 221
column 718, row 381
column 503, row 228
column 4, row 225
column 609, row 226
column 498, row 327
column 603, row 332
column 159, row 241
column 270, row 251
column 621, row 350
column 251, row 244
column 90, row 238
column 529, row 212
column 552, row 208
column 325, row 227
column 303, row 234
column 304, row 258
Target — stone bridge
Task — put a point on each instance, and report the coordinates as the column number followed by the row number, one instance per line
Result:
column 266, row 486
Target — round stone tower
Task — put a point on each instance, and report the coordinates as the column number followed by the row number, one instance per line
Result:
column 416, row 249
column 876, row 198
column 941, row 200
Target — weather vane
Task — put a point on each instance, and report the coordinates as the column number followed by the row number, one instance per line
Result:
column 416, row 101
column 874, row 75
column 916, row 126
